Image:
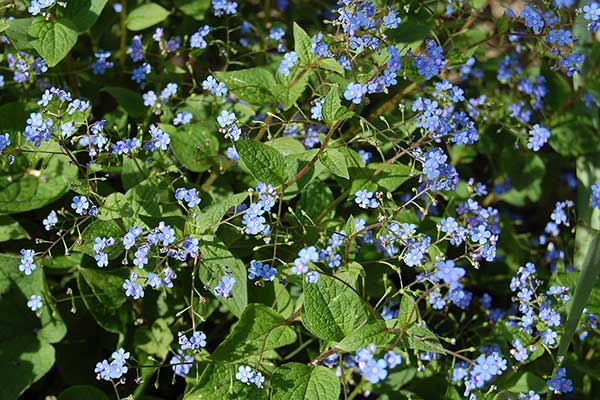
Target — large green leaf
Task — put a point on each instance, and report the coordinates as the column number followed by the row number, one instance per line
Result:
column 375, row 332
column 84, row 13
column 128, row 99
column 31, row 188
column 208, row 218
column 194, row 8
column 302, row 45
column 194, row 145
column 25, row 350
column 217, row 259
column 325, row 312
column 54, row 40
column 80, row 392
column 11, row 229
column 218, row 382
column 154, row 340
column 17, row 32
column 99, row 293
column 333, row 110
column 105, row 229
column 145, row 16
column 335, row 162
column 294, row 381
column 259, row 330
column 587, row 248
column 254, row 85
column 265, row 163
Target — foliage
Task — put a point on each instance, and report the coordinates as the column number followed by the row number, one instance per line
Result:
column 299, row 199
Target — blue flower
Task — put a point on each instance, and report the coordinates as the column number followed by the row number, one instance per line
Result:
column 365, row 199
column 312, row 277
column 80, row 204
column 4, row 142
column 190, row 196
column 538, row 136
column 480, row 235
column 27, row 265
column 226, row 118
column 355, row 92
column 35, row 302
column 197, row 40
column 532, row 19
column 181, row 364
column 217, row 88
column 289, row 60
column 375, row 370
column 559, row 383
column 50, row 220
column 150, row 98
column 225, row 286
column 101, row 64
column 135, row 51
column 160, row 140
column 133, row 289
column 224, row 7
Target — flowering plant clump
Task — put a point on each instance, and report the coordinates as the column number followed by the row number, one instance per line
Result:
column 295, row 199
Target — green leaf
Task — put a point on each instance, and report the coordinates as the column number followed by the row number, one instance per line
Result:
column 209, row 217
column 218, row 382
column 54, row 40
column 295, row 381
column 587, row 241
column 194, row 8
column 421, row 338
column 331, row 64
column 3, row 25
column 25, row 351
column 374, row 332
column 315, row 198
column 195, row 146
column 325, row 311
column 264, row 162
column 107, row 285
column 333, row 110
column 97, row 299
column 259, row 329
column 507, row 396
column 145, row 16
column 115, row 206
column 574, row 133
column 302, row 45
column 11, row 230
column 106, row 229
column 290, row 88
column 17, row 32
column 128, row 99
column 254, row 85
column 84, row 13
column 335, row 162
column 154, row 340
column 388, row 179
column 31, row 188
column 80, row 392
column 216, row 257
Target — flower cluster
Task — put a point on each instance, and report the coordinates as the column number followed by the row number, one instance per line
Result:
column 249, row 376
column 115, row 369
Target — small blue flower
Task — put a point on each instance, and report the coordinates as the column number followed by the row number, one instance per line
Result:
column 355, row 92
column 312, row 277
column 289, row 60
column 35, row 302
column 225, row 286
column 80, row 204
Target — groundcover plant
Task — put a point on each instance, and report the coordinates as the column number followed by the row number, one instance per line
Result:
column 299, row 199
